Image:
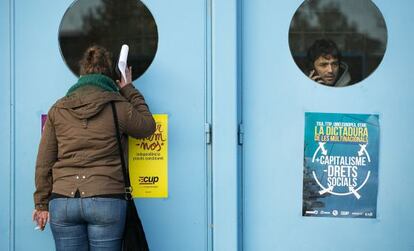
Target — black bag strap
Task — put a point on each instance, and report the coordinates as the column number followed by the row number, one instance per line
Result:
column 128, row 188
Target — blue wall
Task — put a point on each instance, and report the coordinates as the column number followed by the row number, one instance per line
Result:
column 276, row 94
column 5, row 169
column 175, row 84
column 41, row 77
column 196, row 78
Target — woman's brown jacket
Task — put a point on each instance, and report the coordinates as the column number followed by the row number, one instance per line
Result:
column 78, row 149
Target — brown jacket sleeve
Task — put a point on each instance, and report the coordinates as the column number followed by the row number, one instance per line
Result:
column 46, row 158
column 135, row 118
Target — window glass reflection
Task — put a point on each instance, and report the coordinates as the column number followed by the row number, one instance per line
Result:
column 353, row 30
column 109, row 23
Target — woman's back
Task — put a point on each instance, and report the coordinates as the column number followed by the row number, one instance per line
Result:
column 78, row 167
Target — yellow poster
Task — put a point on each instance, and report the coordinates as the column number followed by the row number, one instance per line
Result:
column 148, row 162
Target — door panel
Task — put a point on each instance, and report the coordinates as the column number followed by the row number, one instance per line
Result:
column 41, row 77
column 276, row 95
column 5, row 169
column 174, row 84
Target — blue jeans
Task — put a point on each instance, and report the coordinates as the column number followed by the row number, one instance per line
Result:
column 93, row 224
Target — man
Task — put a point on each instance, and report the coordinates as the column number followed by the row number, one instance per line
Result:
column 326, row 65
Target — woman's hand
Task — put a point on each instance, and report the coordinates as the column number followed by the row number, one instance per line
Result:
column 128, row 74
column 41, row 218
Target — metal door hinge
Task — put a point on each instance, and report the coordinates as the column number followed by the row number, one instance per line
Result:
column 241, row 134
column 207, row 130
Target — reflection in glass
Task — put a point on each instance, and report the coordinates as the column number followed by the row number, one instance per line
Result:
column 109, row 23
column 357, row 27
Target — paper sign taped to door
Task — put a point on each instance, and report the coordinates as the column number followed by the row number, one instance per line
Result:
column 148, row 162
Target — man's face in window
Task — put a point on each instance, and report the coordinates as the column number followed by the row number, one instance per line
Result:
column 327, row 68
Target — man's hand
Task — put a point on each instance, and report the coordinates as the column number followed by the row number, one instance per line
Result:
column 315, row 77
column 41, row 218
column 123, row 82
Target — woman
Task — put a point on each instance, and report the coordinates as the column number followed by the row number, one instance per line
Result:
column 79, row 182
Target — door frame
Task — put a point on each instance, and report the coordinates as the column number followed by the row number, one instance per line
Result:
column 224, row 76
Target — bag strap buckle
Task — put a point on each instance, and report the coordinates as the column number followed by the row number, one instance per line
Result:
column 128, row 193
column 128, row 190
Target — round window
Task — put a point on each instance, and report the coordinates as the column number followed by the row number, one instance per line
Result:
column 110, row 24
column 337, row 43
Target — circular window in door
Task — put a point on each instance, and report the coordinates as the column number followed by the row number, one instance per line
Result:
column 338, row 43
column 109, row 23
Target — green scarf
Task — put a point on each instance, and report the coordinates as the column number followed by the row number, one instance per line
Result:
column 98, row 80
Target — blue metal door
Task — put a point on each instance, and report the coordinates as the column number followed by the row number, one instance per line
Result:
column 175, row 84
column 5, row 125
column 276, row 95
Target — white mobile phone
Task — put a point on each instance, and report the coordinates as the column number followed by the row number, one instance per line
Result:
column 122, row 61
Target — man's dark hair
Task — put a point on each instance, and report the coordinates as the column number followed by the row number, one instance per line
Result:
column 323, row 47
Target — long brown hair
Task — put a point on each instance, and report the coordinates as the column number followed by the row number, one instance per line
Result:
column 96, row 59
